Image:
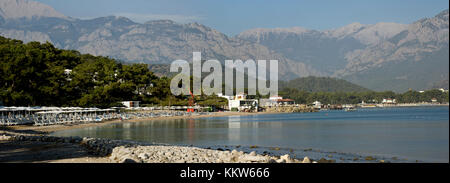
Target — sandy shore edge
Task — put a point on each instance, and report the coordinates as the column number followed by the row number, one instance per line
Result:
column 53, row 128
column 117, row 151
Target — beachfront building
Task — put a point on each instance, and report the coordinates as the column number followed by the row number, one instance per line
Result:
column 389, row 101
column 276, row 101
column 317, row 105
column 130, row 104
column 242, row 103
column 434, row 100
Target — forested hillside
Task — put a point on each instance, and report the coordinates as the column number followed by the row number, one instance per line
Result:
column 322, row 84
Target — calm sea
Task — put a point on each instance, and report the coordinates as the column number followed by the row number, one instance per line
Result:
column 395, row 134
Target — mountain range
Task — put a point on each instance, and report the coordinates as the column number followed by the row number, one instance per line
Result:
column 383, row 56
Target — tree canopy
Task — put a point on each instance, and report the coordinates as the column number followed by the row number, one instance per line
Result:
column 36, row 74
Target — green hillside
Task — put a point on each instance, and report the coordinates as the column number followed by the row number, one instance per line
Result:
column 322, row 84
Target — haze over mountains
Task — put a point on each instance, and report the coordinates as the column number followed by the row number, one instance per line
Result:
column 383, row 56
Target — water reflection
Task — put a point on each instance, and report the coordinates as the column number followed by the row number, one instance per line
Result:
column 420, row 133
column 234, row 128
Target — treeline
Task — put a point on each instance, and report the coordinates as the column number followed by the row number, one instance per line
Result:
column 36, row 74
column 304, row 97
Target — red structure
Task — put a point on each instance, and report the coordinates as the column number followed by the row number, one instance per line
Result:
column 191, row 103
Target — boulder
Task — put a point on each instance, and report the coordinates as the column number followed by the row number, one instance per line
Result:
column 306, row 160
column 286, row 158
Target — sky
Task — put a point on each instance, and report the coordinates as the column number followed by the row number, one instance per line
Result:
column 234, row 16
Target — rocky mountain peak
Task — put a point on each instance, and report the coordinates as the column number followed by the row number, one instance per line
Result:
column 12, row 9
column 345, row 30
column 443, row 15
column 155, row 22
column 264, row 31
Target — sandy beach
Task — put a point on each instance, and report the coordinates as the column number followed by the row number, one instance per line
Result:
column 52, row 128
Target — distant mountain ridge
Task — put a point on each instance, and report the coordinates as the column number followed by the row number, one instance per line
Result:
column 155, row 42
column 382, row 56
column 10, row 9
column 416, row 58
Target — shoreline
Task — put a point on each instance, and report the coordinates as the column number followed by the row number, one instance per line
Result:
column 13, row 136
column 45, row 130
column 53, row 149
column 38, row 146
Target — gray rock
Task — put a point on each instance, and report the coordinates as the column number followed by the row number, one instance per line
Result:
column 254, row 158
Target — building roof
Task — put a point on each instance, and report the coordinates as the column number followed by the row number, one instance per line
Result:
column 285, row 100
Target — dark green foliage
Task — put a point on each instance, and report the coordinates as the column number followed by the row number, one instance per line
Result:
column 322, row 84
column 33, row 74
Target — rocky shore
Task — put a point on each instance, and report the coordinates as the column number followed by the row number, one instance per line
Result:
column 290, row 109
column 119, row 151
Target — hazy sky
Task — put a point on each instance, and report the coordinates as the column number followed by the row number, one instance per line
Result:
column 234, row 16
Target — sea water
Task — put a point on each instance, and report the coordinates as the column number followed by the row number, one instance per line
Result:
column 416, row 134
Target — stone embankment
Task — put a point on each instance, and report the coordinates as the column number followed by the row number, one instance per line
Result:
column 290, row 109
column 134, row 152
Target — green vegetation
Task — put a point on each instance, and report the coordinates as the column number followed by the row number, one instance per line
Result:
column 304, row 97
column 34, row 74
column 322, row 84
column 338, row 91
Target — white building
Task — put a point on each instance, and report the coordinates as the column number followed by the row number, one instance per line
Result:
column 389, row 101
column 276, row 98
column 241, row 103
column 130, row 104
column 317, row 105
column 443, row 90
column 434, row 100
column 275, row 101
